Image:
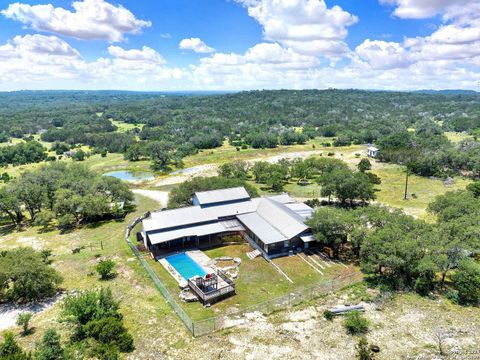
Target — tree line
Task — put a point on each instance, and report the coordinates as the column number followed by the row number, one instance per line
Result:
column 180, row 125
column 63, row 195
column 334, row 176
column 401, row 252
column 427, row 152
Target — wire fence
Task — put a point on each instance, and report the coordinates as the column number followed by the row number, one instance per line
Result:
column 210, row 325
column 204, row 327
column 158, row 283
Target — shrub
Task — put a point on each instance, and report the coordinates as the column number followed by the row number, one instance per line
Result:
column 364, row 352
column 28, row 276
column 23, row 320
column 44, row 219
column 66, row 222
column 374, row 179
column 10, row 350
column 46, row 253
column 49, row 347
column 313, row 203
column 110, row 331
column 474, row 188
column 327, row 314
column 331, row 154
column 467, row 282
column 98, row 323
column 105, row 269
column 452, row 295
column 364, row 165
column 423, row 285
column 355, row 323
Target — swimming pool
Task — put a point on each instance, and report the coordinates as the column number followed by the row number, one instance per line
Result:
column 185, row 265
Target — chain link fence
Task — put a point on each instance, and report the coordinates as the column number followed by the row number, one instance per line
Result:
column 158, row 283
column 204, row 327
column 207, row 326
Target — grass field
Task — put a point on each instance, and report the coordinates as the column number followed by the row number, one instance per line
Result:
column 228, row 152
column 456, row 137
column 390, row 192
column 421, row 190
column 146, row 313
column 125, row 127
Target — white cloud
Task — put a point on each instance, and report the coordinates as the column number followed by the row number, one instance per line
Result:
column 423, row 9
column 418, row 9
column 383, row 55
column 456, row 40
column 90, row 20
column 146, row 54
column 307, row 26
column 46, row 62
column 40, row 45
column 267, row 53
column 196, row 45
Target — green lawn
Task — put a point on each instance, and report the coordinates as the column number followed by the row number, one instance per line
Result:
column 258, row 281
column 421, row 190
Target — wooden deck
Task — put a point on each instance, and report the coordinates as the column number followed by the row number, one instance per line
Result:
column 226, row 288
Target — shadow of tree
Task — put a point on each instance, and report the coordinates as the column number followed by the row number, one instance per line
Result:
column 7, row 229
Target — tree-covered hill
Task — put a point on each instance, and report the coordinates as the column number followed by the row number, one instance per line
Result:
column 167, row 127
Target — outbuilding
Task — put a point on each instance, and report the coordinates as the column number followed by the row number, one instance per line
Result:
column 372, row 151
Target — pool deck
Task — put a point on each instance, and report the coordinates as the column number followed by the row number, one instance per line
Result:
column 197, row 255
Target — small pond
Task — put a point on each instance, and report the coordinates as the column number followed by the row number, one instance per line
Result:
column 131, row 176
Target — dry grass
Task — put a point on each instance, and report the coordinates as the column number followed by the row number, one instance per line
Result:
column 147, row 315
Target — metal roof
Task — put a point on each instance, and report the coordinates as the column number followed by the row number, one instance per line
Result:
column 272, row 219
column 222, row 195
column 286, row 221
column 261, row 228
column 372, row 148
column 200, row 230
column 282, row 198
column 301, row 209
column 195, row 214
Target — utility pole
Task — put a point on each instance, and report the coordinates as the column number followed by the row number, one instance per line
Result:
column 406, row 186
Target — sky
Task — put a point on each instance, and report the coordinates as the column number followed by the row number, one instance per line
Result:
column 174, row 45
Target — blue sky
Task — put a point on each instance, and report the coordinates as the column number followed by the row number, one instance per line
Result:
column 239, row 44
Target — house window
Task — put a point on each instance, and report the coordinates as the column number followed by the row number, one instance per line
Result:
column 286, row 244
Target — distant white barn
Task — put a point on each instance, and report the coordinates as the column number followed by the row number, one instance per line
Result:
column 372, row 151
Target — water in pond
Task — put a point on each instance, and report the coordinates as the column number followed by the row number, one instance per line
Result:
column 185, row 265
column 126, row 175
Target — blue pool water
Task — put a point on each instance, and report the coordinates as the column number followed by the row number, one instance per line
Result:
column 130, row 175
column 185, row 265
